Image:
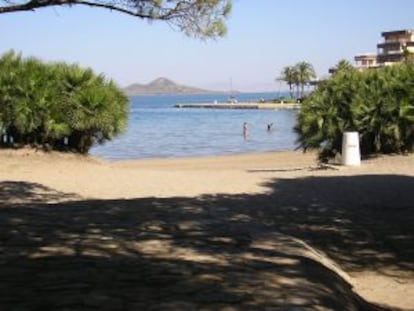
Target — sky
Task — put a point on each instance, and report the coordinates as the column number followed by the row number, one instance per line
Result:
column 263, row 37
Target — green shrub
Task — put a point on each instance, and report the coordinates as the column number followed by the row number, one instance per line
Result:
column 57, row 106
column 379, row 104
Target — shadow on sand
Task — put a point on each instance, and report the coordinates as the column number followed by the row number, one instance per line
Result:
column 235, row 252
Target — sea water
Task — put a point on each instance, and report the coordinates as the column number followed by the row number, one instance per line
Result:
column 156, row 129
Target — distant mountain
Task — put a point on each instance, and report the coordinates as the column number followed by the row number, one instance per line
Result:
column 164, row 86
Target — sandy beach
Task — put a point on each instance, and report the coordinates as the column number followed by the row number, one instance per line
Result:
column 270, row 231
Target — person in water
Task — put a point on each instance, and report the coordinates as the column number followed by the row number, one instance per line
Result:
column 269, row 127
column 245, row 129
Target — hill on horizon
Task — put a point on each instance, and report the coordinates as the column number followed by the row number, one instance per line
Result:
column 164, row 86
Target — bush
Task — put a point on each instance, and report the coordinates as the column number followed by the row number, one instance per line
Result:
column 57, row 106
column 379, row 104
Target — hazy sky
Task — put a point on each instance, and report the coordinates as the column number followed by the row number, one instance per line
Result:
column 263, row 37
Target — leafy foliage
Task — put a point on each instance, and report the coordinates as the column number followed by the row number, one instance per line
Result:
column 57, row 106
column 196, row 18
column 379, row 104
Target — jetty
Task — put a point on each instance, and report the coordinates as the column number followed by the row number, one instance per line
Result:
column 243, row 105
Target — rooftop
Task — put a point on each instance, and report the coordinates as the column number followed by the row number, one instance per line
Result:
column 365, row 56
column 397, row 32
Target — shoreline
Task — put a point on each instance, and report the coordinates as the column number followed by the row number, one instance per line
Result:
column 188, row 157
column 28, row 151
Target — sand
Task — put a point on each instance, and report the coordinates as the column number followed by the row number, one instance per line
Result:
column 356, row 222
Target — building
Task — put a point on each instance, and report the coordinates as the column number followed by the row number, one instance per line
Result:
column 393, row 48
column 365, row 61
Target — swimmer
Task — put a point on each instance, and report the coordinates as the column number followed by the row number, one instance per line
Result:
column 269, row 127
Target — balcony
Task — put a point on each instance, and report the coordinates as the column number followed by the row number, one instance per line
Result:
column 390, row 57
column 393, row 45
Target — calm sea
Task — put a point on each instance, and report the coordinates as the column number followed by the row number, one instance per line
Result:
column 158, row 130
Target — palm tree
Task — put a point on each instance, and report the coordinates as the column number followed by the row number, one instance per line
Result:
column 408, row 56
column 343, row 66
column 48, row 104
column 290, row 76
column 94, row 109
column 376, row 103
column 305, row 73
column 324, row 116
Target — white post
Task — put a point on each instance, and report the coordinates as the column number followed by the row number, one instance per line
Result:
column 351, row 154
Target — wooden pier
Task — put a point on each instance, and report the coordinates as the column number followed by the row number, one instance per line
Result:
column 271, row 106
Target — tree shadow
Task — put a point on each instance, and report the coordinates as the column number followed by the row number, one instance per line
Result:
column 224, row 252
column 20, row 192
column 362, row 222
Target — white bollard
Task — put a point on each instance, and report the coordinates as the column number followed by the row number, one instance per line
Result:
column 351, row 155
